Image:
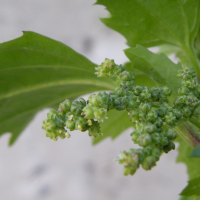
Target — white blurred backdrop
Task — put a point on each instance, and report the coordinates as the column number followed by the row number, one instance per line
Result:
column 35, row 167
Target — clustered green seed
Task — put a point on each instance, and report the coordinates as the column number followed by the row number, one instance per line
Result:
column 152, row 116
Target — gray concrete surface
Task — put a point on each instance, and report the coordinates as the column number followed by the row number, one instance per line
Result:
column 36, row 168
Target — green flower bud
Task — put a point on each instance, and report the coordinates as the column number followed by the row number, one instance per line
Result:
column 183, row 91
column 170, row 133
column 145, row 95
column 129, row 85
column 167, row 90
column 52, row 114
column 164, row 141
column 139, row 126
column 144, row 140
column 163, row 97
column 189, row 83
column 67, row 134
column 65, row 105
column 100, row 113
column 126, row 76
column 134, row 136
column 142, row 115
column 191, row 101
column 120, row 103
column 186, row 74
column 131, row 105
column 83, row 102
column 156, row 153
column 106, row 68
column 147, row 151
column 138, row 89
column 155, row 92
column 169, row 147
column 94, row 100
column 94, row 130
column 88, row 112
column 162, row 111
column 170, row 118
column 159, row 122
column 149, row 162
column 119, row 69
column 134, row 115
column 177, row 113
column 145, row 107
column 187, row 112
column 129, row 170
column 156, row 138
column 121, row 92
column 152, row 115
column 76, row 108
column 70, row 125
column 149, row 128
column 81, row 124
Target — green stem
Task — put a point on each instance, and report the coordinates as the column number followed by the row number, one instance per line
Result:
column 195, row 122
column 186, row 135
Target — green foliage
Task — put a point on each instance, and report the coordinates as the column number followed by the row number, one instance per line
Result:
column 151, row 23
column 38, row 72
column 155, row 23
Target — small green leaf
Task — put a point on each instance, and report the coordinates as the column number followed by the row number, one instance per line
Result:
column 117, row 122
column 38, row 72
column 196, row 152
column 193, row 188
column 157, row 66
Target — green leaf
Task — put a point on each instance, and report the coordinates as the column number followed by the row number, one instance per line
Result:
column 154, row 22
column 193, row 188
column 38, row 72
column 157, row 66
column 196, row 152
column 117, row 122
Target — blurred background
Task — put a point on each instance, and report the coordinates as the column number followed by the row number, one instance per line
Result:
column 35, row 167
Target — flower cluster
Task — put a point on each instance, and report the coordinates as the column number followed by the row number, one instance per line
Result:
column 151, row 114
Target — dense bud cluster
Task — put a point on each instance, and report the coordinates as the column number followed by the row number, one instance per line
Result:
column 152, row 116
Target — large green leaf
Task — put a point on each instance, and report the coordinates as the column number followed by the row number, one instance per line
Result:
column 193, row 188
column 38, row 72
column 154, row 22
column 157, row 66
